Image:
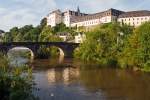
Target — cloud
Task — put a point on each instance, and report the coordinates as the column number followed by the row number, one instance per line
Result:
column 98, row 5
column 24, row 12
column 92, row 6
column 37, row 5
column 19, row 18
column 89, row 6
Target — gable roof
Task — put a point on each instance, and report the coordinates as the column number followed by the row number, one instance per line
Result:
column 135, row 14
column 109, row 12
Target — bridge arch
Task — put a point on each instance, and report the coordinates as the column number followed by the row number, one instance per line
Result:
column 56, row 52
column 65, row 48
column 60, row 49
column 19, row 48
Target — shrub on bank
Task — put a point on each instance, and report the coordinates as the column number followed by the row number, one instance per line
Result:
column 15, row 83
column 115, row 44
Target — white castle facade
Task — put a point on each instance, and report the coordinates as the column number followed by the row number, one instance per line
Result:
column 78, row 19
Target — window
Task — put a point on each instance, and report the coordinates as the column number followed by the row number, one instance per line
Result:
column 129, row 23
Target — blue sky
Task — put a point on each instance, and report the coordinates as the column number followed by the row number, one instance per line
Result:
column 23, row 12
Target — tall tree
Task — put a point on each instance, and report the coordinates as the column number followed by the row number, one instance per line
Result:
column 43, row 23
column 137, row 51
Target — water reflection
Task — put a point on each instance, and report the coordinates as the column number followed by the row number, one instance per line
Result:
column 19, row 57
column 117, row 84
column 88, row 83
column 61, row 59
column 95, row 83
column 64, row 84
column 63, row 75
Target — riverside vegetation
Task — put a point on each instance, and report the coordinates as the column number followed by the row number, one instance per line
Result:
column 15, row 82
column 111, row 44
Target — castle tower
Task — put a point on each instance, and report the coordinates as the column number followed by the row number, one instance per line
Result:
column 78, row 10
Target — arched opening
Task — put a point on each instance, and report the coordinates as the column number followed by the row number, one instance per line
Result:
column 51, row 52
column 61, row 55
column 20, row 55
column 57, row 53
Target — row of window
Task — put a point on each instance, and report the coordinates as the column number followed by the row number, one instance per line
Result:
column 93, row 17
column 128, row 19
column 95, row 22
column 134, row 23
column 100, row 19
column 88, row 23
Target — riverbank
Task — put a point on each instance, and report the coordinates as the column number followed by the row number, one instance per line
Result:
column 14, row 84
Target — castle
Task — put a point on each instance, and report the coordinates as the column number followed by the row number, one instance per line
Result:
column 78, row 19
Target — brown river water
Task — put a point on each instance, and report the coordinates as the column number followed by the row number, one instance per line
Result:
column 70, row 79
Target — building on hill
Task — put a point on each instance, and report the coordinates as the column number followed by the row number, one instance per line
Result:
column 57, row 17
column 78, row 19
column 108, row 16
column 54, row 18
column 134, row 18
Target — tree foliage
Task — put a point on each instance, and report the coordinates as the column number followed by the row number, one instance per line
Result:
column 137, row 50
column 14, row 85
column 102, row 44
column 118, row 44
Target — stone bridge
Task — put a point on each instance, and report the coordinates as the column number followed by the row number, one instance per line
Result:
column 65, row 47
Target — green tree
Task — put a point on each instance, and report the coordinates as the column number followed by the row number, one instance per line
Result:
column 32, row 35
column 102, row 43
column 137, row 50
column 14, row 84
column 43, row 23
column 45, row 34
column 7, row 37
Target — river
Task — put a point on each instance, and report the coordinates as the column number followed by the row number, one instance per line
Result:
column 74, row 80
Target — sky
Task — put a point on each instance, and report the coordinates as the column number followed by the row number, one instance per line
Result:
column 25, row 12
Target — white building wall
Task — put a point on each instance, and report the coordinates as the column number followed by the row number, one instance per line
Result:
column 54, row 18
column 51, row 20
column 134, row 21
column 67, row 19
column 93, row 22
column 58, row 18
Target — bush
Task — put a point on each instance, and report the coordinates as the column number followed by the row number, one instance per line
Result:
column 15, row 83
